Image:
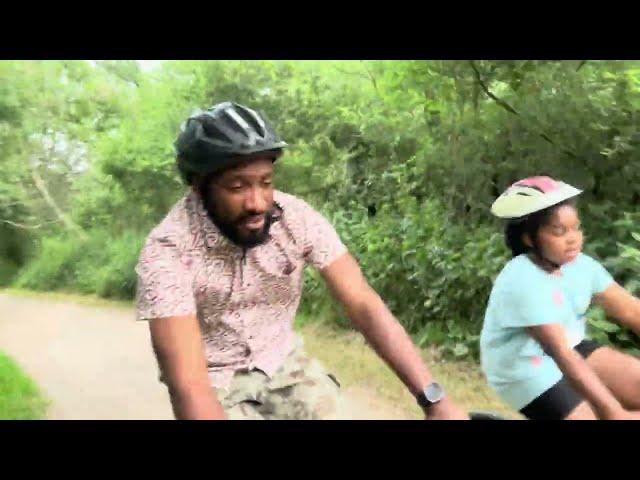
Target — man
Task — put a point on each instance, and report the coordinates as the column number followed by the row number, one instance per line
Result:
column 220, row 279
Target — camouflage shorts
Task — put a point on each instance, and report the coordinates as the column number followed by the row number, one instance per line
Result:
column 300, row 390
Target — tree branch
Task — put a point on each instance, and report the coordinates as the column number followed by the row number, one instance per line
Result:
column 488, row 92
column 509, row 108
column 353, row 74
column 26, row 227
column 371, row 77
column 42, row 188
column 44, row 191
column 323, row 188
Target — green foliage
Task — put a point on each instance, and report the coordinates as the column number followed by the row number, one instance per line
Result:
column 404, row 157
column 102, row 264
column 434, row 275
column 626, row 265
column 20, row 398
column 8, row 270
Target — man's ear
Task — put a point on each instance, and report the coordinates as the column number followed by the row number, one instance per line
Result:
column 526, row 238
column 198, row 182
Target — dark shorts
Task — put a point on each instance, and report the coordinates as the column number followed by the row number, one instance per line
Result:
column 561, row 399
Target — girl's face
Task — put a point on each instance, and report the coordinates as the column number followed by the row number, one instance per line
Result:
column 560, row 239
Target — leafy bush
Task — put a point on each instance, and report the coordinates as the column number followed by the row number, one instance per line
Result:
column 100, row 265
column 626, row 268
column 405, row 157
column 435, row 276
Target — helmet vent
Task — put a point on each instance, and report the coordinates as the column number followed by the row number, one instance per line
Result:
column 212, row 130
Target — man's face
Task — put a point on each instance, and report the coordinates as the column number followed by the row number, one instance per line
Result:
column 240, row 201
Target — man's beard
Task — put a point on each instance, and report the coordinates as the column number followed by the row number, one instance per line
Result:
column 231, row 231
column 252, row 239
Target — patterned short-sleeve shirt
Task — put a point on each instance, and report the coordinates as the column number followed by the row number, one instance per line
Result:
column 245, row 301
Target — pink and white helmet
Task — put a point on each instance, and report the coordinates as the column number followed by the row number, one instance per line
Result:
column 531, row 195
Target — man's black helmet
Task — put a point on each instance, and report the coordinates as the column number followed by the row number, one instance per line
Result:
column 212, row 140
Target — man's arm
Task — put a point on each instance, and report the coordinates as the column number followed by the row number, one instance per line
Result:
column 372, row 318
column 178, row 347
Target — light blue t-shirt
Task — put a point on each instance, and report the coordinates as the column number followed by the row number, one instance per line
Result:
column 524, row 295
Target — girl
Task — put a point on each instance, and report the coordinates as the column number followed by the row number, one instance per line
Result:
column 533, row 346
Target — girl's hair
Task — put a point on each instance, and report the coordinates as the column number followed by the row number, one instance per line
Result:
column 530, row 225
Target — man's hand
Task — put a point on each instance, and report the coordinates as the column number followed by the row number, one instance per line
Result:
column 445, row 410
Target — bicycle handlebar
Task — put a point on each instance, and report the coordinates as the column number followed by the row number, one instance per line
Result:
column 485, row 416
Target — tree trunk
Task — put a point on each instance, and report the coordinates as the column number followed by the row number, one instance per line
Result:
column 42, row 188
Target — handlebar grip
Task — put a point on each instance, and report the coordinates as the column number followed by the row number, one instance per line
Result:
column 485, row 416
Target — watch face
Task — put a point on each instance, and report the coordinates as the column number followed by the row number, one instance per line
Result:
column 434, row 392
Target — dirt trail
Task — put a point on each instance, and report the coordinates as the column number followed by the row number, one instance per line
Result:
column 97, row 363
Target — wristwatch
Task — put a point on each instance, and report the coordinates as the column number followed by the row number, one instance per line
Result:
column 431, row 395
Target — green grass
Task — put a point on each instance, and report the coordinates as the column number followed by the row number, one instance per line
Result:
column 356, row 365
column 20, row 398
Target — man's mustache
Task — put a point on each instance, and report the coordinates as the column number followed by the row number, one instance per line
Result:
column 252, row 215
